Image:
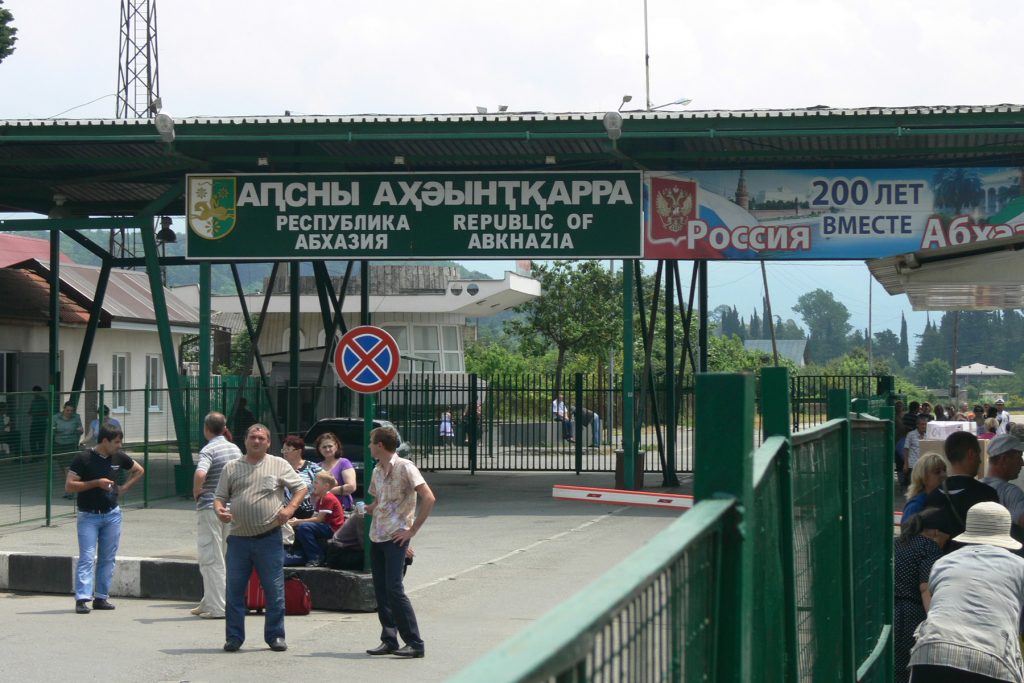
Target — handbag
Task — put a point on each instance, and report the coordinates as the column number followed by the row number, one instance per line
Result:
column 297, row 599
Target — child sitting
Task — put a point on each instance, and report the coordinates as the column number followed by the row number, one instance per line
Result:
column 328, row 517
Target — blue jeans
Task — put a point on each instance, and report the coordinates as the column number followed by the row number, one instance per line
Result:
column 266, row 554
column 596, row 433
column 393, row 607
column 104, row 530
column 308, row 537
column 566, row 427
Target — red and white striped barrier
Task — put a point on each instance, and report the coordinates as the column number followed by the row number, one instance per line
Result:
column 620, row 497
column 672, row 501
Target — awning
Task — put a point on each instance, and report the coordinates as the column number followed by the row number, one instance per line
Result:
column 981, row 276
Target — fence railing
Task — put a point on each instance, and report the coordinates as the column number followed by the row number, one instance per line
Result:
column 759, row 581
column 512, row 431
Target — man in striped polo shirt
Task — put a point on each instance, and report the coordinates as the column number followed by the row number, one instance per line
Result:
column 211, row 533
column 254, row 487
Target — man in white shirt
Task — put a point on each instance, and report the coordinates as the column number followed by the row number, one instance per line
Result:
column 560, row 413
column 1003, row 418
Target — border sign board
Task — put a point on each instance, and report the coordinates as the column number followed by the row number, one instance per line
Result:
column 366, row 359
column 828, row 214
column 593, row 214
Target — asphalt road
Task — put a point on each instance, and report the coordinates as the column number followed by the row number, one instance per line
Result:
column 497, row 553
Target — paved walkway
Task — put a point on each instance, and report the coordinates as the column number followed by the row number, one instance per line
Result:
column 496, row 554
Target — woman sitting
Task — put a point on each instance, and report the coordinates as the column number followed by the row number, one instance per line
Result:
column 928, row 474
column 292, row 450
column 344, row 473
column 327, row 518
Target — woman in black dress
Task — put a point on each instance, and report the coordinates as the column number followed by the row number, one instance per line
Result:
column 914, row 552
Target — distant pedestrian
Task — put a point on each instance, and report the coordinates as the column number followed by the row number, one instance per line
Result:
column 912, row 445
column 89, row 440
column 67, row 429
column 445, row 429
column 253, row 486
column 971, row 630
column 561, row 413
column 93, row 477
column 243, row 419
column 589, row 418
column 211, row 533
column 1002, row 417
column 396, row 484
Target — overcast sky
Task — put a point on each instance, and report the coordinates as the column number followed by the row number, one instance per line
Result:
column 335, row 57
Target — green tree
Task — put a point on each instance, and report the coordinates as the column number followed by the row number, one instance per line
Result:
column 579, row 311
column 788, row 329
column 932, row 346
column 493, row 359
column 7, row 32
column 886, row 345
column 241, row 353
column 726, row 354
column 934, row 373
column 828, row 323
column 903, row 357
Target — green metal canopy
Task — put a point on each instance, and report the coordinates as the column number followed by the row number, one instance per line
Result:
column 117, row 167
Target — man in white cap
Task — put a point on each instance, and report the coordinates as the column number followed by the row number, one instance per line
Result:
column 1004, row 464
column 977, row 591
column 1003, row 418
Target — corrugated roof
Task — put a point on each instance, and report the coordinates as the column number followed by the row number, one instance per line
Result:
column 467, row 117
column 25, row 299
column 18, row 248
column 792, row 349
column 117, row 167
column 128, row 297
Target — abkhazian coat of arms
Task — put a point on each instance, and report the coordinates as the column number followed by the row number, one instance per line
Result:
column 675, row 206
column 211, row 206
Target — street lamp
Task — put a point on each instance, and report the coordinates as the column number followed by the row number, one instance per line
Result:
column 682, row 101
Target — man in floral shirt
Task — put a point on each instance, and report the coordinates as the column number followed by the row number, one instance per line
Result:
column 395, row 486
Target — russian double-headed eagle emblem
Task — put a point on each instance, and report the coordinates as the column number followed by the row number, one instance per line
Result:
column 675, row 206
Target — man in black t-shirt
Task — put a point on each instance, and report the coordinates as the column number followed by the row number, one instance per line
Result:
column 93, row 476
column 961, row 489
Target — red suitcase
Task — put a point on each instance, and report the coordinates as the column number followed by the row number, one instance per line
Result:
column 255, row 598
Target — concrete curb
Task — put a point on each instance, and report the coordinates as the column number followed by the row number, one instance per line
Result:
column 159, row 579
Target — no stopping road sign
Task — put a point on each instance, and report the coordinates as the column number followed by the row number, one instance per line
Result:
column 366, row 359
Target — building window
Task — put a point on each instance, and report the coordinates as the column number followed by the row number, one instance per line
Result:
column 426, row 345
column 154, row 380
column 452, row 343
column 119, row 383
column 401, row 335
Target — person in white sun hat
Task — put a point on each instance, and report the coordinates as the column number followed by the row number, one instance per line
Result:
column 971, row 633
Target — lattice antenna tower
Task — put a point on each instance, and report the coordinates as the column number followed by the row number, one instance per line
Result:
column 138, row 81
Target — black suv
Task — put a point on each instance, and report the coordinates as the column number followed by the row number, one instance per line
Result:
column 349, row 431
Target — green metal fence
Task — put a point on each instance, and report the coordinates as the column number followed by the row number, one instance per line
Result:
column 759, row 581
